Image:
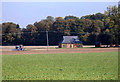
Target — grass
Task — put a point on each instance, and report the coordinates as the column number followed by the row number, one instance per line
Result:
column 84, row 66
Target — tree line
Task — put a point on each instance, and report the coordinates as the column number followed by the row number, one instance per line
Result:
column 104, row 28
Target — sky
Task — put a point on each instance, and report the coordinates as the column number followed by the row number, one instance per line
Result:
column 24, row 13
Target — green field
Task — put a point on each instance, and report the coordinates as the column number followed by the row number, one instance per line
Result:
column 81, row 66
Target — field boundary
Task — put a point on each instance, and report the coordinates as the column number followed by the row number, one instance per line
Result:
column 53, row 51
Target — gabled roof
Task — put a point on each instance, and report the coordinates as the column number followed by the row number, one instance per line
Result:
column 70, row 39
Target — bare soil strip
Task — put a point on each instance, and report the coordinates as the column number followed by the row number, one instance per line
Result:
column 52, row 51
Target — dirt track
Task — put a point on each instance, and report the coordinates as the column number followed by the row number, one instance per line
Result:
column 50, row 51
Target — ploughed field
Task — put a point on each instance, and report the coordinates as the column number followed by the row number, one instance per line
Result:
column 60, row 66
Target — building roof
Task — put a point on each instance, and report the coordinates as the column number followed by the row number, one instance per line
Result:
column 70, row 39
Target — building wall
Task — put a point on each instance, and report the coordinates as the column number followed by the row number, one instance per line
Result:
column 60, row 45
column 70, row 45
column 75, row 45
column 64, row 45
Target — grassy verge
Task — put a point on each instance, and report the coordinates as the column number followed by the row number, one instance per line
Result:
column 81, row 66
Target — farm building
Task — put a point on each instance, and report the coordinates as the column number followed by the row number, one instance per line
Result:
column 70, row 42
